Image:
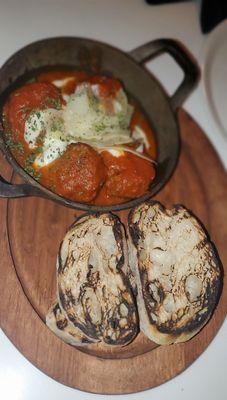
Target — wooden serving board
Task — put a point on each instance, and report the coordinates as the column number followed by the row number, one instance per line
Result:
column 30, row 233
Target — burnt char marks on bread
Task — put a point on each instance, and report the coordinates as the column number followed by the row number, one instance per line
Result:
column 93, row 282
column 169, row 265
column 64, row 329
column 177, row 272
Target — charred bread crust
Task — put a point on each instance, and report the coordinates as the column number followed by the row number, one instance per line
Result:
column 93, row 279
column 118, row 227
column 61, row 326
column 171, row 324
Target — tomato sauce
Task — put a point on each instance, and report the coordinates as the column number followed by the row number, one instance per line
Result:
column 108, row 87
column 80, row 173
column 72, row 79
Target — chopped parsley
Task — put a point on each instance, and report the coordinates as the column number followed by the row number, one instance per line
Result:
column 28, row 165
column 25, row 110
column 33, row 172
column 29, row 160
column 123, row 123
column 14, row 146
column 99, row 127
column 50, row 102
column 93, row 101
column 57, row 125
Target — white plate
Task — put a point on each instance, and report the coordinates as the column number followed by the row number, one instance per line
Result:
column 215, row 75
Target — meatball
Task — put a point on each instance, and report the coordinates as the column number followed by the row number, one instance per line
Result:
column 78, row 174
column 128, row 176
column 26, row 99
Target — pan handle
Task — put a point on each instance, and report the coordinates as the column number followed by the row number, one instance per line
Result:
column 8, row 190
column 182, row 57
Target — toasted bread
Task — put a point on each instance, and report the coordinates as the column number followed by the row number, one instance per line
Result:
column 64, row 329
column 176, row 270
column 93, row 281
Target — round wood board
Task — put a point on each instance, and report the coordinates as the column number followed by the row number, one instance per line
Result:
column 30, row 233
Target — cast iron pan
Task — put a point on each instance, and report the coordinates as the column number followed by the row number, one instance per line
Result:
column 96, row 57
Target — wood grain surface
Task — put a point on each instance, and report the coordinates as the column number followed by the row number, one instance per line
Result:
column 31, row 230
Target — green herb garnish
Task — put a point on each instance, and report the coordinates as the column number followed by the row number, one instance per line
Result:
column 50, row 102
column 57, row 125
column 29, row 167
column 14, row 146
column 99, row 127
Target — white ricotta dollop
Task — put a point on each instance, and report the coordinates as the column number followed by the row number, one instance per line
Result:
column 45, row 128
column 34, row 125
column 60, row 83
column 53, row 147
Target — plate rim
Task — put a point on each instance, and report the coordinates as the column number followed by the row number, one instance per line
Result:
column 207, row 49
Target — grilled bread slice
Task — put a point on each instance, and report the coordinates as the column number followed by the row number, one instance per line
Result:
column 93, row 280
column 176, row 270
column 64, row 329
